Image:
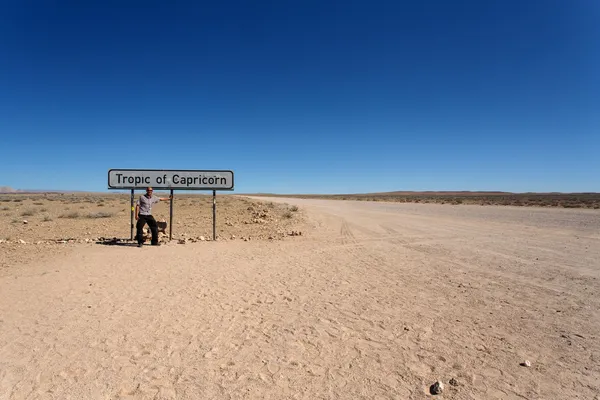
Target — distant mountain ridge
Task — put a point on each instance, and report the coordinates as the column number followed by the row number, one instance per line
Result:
column 8, row 189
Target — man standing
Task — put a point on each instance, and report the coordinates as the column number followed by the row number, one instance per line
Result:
column 143, row 216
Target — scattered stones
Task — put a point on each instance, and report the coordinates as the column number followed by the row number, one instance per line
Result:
column 182, row 241
column 453, row 382
column 437, row 388
column 295, row 233
column 526, row 363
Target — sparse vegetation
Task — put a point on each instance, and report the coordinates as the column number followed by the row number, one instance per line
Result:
column 47, row 218
column 564, row 200
column 28, row 213
column 101, row 214
column 71, row 215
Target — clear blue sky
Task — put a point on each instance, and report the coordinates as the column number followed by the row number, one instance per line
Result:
column 304, row 96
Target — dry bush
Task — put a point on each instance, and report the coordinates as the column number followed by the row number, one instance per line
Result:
column 287, row 214
column 71, row 215
column 28, row 213
column 100, row 214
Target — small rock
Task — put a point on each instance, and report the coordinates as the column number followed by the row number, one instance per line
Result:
column 437, row 388
column 232, row 237
column 181, row 241
column 453, row 382
column 202, row 238
column 25, row 221
column 22, row 241
column 526, row 363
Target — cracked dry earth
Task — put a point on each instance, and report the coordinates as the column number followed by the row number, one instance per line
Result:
column 375, row 301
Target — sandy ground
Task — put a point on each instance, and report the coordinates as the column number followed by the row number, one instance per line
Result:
column 39, row 226
column 375, row 301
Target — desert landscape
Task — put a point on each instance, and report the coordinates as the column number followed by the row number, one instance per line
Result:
column 298, row 299
column 561, row 200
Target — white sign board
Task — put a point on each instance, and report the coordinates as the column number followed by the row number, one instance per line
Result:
column 170, row 179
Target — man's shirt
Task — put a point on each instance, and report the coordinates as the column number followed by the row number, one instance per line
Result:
column 145, row 204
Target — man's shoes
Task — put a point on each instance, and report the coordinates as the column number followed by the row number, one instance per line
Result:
column 155, row 244
column 140, row 244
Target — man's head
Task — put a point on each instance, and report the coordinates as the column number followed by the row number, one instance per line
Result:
column 149, row 191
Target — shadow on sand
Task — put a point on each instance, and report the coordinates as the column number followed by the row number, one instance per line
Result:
column 117, row 242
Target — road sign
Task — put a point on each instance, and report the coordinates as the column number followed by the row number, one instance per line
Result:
column 170, row 179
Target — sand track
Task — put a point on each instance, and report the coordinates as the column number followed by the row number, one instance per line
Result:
column 375, row 301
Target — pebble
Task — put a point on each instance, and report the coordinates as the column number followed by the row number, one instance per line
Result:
column 437, row 388
column 453, row 382
column 526, row 363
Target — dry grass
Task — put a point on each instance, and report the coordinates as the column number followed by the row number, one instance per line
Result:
column 564, row 200
column 86, row 215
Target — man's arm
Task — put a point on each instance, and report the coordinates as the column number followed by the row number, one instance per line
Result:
column 166, row 198
column 137, row 211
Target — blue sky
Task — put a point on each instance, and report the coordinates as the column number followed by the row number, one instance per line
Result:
column 304, row 96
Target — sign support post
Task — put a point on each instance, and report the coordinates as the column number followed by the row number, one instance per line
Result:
column 131, row 238
column 171, row 217
column 214, row 215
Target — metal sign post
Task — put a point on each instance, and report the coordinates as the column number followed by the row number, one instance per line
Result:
column 131, row 238
column 171, row 217
column 162, row 179
column 214, row 215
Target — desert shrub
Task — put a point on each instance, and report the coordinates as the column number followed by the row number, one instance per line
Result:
column 47, row 218
column 5, row 208
column 100, row 204
column 294, row 208
column 17, row 200
column 38, row 203
column 28, row 213
column 101, row 214
column 287, row 214
column 71, row 215
column 43, row 209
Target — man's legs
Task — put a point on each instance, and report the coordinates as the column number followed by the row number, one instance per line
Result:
column 140, row 229
column 153, row 228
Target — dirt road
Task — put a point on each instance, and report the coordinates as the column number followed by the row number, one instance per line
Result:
column 373, row 301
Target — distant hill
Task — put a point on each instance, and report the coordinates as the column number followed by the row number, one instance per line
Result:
column 8, row 189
